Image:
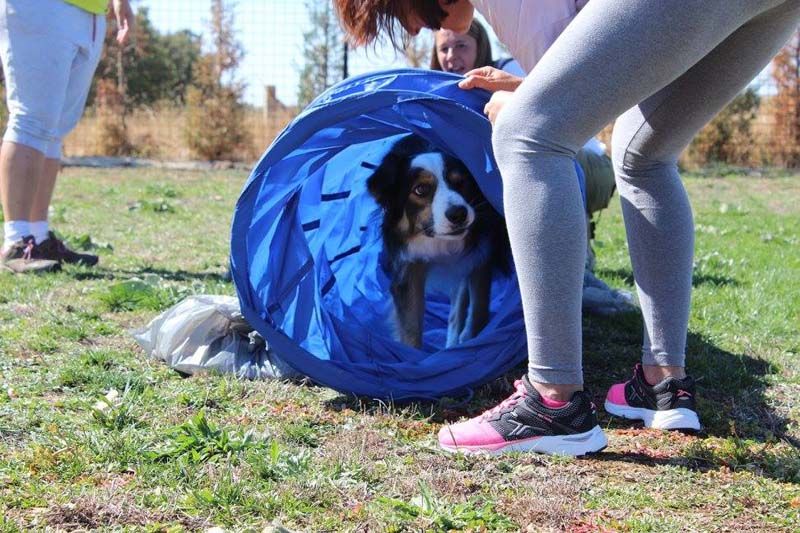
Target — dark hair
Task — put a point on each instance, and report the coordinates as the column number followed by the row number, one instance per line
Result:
column 363, row 20
column 484, row 47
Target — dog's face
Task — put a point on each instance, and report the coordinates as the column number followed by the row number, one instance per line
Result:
column 434, row 216
column 425, row 193
column 437, row 204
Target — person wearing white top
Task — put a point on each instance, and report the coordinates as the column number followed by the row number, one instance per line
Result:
column 662, row 69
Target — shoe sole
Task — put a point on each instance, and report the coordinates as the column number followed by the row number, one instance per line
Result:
column 592, row 441
column 670, row 419
column 17, row 266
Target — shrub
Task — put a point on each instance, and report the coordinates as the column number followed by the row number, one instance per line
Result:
column 785, row 106
column 215, row 126
column 728, row 138
column 111, row 134
column 215, row 122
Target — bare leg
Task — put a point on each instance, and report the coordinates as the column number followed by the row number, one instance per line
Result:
column 44, row 190
column 20, row 171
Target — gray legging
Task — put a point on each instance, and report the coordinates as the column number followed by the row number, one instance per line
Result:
column 665, row 68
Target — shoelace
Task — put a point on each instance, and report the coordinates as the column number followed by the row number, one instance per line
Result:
column 511, row 401
column 27, row 254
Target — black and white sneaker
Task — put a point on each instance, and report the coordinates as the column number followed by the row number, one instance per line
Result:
column 523, row 423
column 666, row 405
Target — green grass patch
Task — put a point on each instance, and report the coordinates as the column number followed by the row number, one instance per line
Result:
column 777, row 460
column 434, row 514
column 280, row 463
column 199, row 441
column 136, row 295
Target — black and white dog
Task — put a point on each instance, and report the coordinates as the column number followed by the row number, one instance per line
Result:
column 438, row 228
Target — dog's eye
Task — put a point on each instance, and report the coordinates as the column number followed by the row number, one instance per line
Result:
column 422, row 190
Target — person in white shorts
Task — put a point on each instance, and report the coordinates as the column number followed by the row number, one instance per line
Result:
column 49, row 50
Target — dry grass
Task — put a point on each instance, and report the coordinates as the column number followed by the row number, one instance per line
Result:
column 113, row 510
column 158, row 133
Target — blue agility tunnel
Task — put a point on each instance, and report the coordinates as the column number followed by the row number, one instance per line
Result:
column 306, row 242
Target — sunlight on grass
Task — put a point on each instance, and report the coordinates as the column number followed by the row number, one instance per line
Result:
column 94, row 435
column 199, row 441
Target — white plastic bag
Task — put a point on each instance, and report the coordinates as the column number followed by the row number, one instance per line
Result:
column 208, row 333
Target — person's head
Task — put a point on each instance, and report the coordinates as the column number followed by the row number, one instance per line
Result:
column 363, row 20
column 461, row 52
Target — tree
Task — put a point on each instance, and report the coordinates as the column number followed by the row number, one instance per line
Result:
column 181, row 50
column 728, row 138
column 109, row 93
column 152, row 66
column 215, row 127
column 111, row 130
column 323, row 52
column 786, row 104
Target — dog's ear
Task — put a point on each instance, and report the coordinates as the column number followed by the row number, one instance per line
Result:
column 389, row 179
column 383, row 183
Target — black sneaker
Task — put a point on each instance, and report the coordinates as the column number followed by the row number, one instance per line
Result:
column 667, row 405
column 523, row 423
column 23, row 258
column 54, row 249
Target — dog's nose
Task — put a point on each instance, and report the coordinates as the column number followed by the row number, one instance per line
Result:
column 457, row 214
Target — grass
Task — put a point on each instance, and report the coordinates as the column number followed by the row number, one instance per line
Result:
column 93, row 435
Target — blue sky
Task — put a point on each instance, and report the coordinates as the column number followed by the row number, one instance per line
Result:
column 271, row 32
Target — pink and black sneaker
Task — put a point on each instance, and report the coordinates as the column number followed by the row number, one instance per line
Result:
column 666, row 405
column 523, row 423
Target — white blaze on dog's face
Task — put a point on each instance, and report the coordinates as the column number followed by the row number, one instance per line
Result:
column 437, row 214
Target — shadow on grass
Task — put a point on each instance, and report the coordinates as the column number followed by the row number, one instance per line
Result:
column 180, row 275
column 732, row 401
column 731, row 386
column 98, row 273
column 734, row 454
column 698, row 279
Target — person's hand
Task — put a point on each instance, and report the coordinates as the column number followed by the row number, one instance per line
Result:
column 496, row 103
column 125, row 19
column 491, row 79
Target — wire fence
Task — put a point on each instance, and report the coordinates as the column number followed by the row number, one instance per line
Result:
column 151, row 100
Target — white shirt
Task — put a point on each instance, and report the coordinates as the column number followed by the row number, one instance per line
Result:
column 528, row 27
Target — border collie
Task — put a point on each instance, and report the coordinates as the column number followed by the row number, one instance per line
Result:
column 438, row 228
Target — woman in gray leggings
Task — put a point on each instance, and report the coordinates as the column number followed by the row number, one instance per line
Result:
column 662, row 69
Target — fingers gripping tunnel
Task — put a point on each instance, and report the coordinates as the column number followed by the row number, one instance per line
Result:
column 306, row 242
